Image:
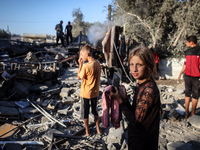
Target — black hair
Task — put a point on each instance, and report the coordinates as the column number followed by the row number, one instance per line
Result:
column 192, row 38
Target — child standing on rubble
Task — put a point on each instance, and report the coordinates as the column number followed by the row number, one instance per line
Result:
column 192, row 74
column 90, row 73
column 144, row 113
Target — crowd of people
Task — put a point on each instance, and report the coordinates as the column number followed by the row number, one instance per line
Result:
column 143, row 114
column 60, row 35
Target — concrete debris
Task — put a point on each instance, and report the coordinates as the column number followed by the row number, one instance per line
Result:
column 179, row 146
column 40, row 97
column 195, row 121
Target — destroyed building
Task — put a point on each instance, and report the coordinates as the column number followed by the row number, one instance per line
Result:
column 40, row 102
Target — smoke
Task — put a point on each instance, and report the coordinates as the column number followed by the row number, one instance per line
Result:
column 98, row 31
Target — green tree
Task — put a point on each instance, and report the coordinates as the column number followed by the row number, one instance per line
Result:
column 164, row 23
column 78, row 23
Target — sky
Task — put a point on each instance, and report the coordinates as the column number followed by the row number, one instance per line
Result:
column 41, row 16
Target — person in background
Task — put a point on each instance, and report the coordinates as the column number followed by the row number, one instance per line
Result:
column 59, row 33
column 191, row 74
column 97, row 54
column 90, row 73
column 156, row 57
column 144, row 113
column 69, row 33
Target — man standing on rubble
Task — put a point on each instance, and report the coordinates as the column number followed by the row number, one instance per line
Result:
column 59, row 33
column 191, row 68
column 90, row 73
column 69, row 33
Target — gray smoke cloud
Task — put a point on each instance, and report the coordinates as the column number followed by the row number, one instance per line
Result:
column 98, row 30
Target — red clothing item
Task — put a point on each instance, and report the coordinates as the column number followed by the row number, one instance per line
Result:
column 155, row 55
column 192, row 62
column 107, row 103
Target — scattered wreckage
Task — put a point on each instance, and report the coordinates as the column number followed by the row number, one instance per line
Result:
column 40, row 103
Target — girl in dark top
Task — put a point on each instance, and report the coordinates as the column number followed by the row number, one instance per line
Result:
column 144, row 113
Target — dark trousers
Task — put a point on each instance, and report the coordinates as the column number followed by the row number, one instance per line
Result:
column 69, row 35
column 191, row 86
column 61, row 38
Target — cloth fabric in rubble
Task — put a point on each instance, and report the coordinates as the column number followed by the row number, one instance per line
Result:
column 108, row 47
column 107, row 103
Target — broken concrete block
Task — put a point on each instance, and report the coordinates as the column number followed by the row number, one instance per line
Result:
column 78, row 91
column 49, row 134
column 30, row 57
column 77, row 115
column 62, row 112
column 173, row 114
column 46, row 102
column 179, row 146
column 52, row 105
column 33, row 126
column 115, row 135
column 68, row 100
column 179, row 91
column 195, row 121
column 52, row 91
column 111, row 146
column 39, row 88
column 76, row 106
column 64, row 92
column 124, row 145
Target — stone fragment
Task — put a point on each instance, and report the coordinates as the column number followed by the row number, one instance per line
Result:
column 76, row 106
column 39, row 88
column 195, row 121
column 68, row 100
column 173, row 114
column 46, row 102
column 64, row 92
column 115, row 135
column 63, row 111
column 49, row 134
column 179, row 146
column 124, row 145
column 52, row 104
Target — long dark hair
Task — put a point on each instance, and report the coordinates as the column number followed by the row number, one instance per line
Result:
column 146, row 56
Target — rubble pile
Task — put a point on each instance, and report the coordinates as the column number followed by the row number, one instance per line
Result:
column 40, row 107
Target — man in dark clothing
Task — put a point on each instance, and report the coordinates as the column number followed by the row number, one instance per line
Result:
column 69, row 33
column 59, row 33
column 192, row 74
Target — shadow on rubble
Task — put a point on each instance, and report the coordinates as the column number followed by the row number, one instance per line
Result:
column 190, row 145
